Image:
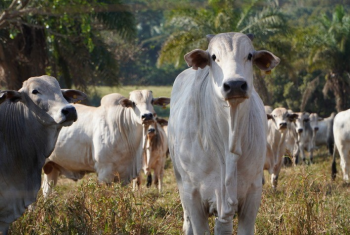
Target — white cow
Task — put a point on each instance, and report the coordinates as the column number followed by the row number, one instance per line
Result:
column 217, row 134
column 305, row 136
column 324, row 135
column 276, row 141
column 107, row 140
column 30, row 120
column 341, row 132
column 155, row 155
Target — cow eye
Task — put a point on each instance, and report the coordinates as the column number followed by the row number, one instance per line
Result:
column 250, row 56
column 213, row 57
column 133, row 104
column 35, row 92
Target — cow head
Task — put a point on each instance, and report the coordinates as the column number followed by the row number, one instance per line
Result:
column 230, row 57
column 142, row 101
column 300, row 122
column 44, row 97
column 281, row 117
column 313, row 119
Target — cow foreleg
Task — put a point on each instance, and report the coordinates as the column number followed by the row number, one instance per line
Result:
column 158, row 177
column 195, row 215
column 136, row 183
column 223, row 227
column 249, row 209
column 105, row 172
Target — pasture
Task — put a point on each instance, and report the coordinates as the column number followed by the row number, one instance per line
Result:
column 306, row 202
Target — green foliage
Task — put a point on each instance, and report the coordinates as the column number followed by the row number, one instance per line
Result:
column 71, row 46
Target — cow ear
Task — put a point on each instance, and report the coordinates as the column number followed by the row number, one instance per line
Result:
column 73, row 96
column 161, row 101
column 292, row 117
column 13, row 96
column 265, row 60
column 162, row 121
column 269, row 116
column 126, row 103
column 197, row 59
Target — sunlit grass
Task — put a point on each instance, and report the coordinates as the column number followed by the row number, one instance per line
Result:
column 306, row 202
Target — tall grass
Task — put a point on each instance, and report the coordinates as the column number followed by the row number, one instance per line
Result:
column 306, row 202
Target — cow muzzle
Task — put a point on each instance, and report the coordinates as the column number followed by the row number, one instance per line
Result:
column 147, row 118
column 282, row 126
column 235, row 89
column 70, row 114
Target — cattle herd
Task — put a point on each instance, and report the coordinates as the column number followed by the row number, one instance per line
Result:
column 220, row 137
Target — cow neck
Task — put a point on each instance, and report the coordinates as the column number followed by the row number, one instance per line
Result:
column 208, row 111
column 131, row 131
column 27, row 142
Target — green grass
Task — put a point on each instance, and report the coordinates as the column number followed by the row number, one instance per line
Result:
column 97, row 93
column 306, row 202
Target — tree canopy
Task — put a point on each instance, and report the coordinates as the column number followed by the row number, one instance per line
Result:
column 142, row 42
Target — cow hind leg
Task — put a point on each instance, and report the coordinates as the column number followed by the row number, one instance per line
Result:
column 149, row 180
column 50, row 178
column 344, row 161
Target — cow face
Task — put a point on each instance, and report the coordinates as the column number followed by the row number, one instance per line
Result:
column 313, row 119
column 300, row 122
column 43, row 96
column 282, row 117
column 230, row 57
column 142, row 102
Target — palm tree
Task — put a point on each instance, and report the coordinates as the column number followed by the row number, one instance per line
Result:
column 331, row 52
column 188, row 25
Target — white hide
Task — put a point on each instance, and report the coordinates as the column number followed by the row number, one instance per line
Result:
column 107, row 140
column 217, row 142
column 341, row 132
column 276, row 141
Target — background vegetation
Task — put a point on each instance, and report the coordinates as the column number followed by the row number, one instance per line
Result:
column 89, row 43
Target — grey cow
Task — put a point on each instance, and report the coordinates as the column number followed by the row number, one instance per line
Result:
column 30, row 121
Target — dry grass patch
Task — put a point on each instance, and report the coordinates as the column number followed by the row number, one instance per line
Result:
column 306, row 202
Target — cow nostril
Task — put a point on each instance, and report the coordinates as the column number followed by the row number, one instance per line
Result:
column 151, row 130
column 68, row 110
column 147, row 116
column 316, row 128
column 244, row 86
column 65, row 111
column 226, row 87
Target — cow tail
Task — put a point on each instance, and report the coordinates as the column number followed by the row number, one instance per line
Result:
column 334, row 164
